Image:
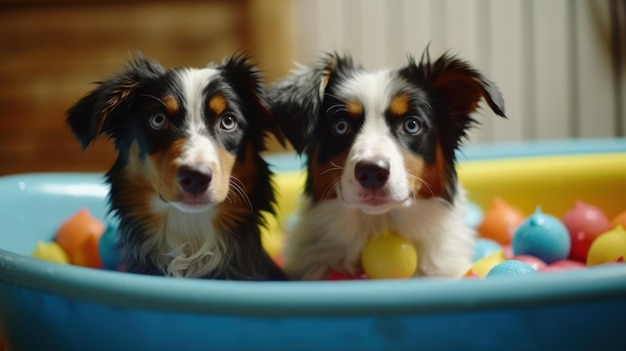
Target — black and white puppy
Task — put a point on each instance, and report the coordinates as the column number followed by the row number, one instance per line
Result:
column 380, row 149
column 189, row 184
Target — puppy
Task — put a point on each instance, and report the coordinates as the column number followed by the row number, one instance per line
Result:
column 380, row 150
column 189, row 184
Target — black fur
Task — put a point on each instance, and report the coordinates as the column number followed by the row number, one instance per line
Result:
column 118, row 108
column 444, row 94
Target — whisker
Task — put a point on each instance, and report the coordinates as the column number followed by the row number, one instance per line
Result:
column 428, row 186
column 239, row 191
column 155, row 98
column 335, row 167
column 332, row 187
column 338, row 107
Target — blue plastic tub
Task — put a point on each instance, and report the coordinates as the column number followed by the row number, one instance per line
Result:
column 46, row 306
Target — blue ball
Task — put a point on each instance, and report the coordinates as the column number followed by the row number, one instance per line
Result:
column 484, row 247
column 511, row 267
column 543, row 236
column 108, row 249
column 473, row 215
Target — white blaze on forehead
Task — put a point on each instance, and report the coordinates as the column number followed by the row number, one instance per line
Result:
column 374, row 140
column 198, row 148
column 374, row 91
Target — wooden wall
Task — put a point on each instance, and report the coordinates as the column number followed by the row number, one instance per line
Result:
column 51, row 51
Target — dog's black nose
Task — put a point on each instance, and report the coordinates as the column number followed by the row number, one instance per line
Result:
column 372, row 174
column 194, row 180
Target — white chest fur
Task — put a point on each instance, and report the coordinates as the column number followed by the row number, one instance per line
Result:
column 187, row 243
column 331, row 235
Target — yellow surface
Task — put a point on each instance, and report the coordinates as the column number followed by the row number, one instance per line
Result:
column 553, row 182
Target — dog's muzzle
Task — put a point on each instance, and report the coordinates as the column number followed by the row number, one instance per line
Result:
column 372, row 174
column 194, row 180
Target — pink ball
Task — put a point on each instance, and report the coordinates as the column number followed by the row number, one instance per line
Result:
column 563, row 265
column 508, row 251
column 585, row 223
column 532, row 261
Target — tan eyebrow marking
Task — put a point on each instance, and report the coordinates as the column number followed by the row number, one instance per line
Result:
column 218, row 104
column 171, row 105
column 354, row 108
column 399, row 105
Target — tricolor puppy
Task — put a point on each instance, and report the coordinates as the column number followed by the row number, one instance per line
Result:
column 189, row 185
column 380, row 149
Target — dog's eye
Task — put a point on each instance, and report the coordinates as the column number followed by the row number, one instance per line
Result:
column 341, row 127
column 228, row 122
column 412, row 125
column 158, row 121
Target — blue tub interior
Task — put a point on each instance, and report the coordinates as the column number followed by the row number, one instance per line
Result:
column 50, row 306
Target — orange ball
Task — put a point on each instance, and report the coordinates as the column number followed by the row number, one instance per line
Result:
column 500, row 222
column 620, row 219
column 79, row 237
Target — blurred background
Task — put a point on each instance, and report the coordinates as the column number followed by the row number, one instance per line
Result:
column 561, row 64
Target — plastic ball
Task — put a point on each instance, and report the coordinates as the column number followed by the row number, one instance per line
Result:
column 389, row 256
column 532, row 261
column 51, row 252
column 543, row 236
column 563, row 265
column 107, row 248
column 508, row 251
column 272, row 237
column 620, row 219
column 609, row 247
column 337, row 275
column 485, row 264
column 78, row 236
column 484, row 247
column 500, row 222
column 473, row 215
column 584, row 223
column 510, row 267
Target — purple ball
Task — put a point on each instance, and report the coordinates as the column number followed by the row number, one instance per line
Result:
column 543, row 236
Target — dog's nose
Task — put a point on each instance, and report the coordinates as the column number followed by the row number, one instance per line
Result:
column 194, row 180
column 372, row 174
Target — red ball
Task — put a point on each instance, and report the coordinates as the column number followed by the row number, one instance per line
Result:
column 584, row 223
column 337, row 275
column 563, row 265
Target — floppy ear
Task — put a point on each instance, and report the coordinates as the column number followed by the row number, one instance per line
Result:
column 456, row 86
column 297, row 99
column 247, row 81
column 89, row 116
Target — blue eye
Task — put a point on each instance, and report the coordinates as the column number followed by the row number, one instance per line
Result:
column 412, row 125
column 341, row 127
column 158, row 122
column 228, row 122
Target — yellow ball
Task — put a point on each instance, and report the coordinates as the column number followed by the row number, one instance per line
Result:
column 51, row 252
column 389, row 256
column 485, row 264
column 272, row 237
column 608, row 247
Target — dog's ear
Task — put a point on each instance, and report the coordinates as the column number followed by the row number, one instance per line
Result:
column 297, row 99
column 457, row 85
column 248, row 83
column 89, row 116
